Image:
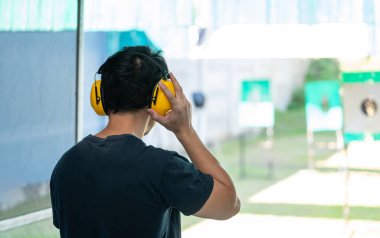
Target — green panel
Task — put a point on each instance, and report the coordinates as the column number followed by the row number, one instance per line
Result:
column 360, row 77
column 64, row 15
column 323, row 94
column 38, row 15
column 5, row 14
column 118, row 40
column 349, row 137
column 19, row 18
column 33, row 14
column 70, row 14
column 255, row 90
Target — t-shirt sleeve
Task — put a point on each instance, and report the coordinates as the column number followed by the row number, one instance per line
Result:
column 55, row 218
column 183, row 186
column 53, row 201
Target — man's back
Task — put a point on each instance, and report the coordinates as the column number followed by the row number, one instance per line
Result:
column 119, row 187
column 113, row 185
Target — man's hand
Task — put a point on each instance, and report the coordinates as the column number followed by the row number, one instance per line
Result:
column 178, row 119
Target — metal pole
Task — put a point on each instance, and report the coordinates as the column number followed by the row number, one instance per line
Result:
column 346, row 171
column 242, row 155
column 310, row 149
column 270, row 162
column 79, row 72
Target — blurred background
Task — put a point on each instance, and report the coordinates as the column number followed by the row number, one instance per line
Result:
column 285, row 93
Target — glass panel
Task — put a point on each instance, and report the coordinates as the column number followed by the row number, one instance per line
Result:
column 37, row 100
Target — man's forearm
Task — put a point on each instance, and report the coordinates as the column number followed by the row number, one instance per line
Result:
column 202, row 157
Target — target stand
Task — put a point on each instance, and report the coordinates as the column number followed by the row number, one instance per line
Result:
column 256, row 111
column 324, row 113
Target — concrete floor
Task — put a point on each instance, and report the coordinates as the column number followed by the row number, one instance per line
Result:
column 360, row 155
column 267, row 226
column 316, row 188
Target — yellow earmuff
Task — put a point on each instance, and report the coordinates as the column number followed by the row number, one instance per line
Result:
column 158, row 102
column 96, row 98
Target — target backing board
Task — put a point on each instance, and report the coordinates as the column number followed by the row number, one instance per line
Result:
column 256, row 108
column 361, row 104
column 323, row 106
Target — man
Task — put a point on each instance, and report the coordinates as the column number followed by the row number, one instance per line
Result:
column 113, row 185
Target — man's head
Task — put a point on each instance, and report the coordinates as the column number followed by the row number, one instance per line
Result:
column 128, row 78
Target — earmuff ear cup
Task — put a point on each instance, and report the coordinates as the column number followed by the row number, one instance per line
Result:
column 96, row 98
column 160, row 102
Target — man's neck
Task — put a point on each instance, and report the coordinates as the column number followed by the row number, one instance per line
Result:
column 133, row 123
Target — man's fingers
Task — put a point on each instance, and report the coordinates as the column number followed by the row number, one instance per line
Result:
column 167, row 92
column 177, row 86
column 157, row 117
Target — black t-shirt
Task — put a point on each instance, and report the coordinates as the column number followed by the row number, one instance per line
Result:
column 120, row 187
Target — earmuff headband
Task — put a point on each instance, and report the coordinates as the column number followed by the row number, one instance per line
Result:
column 152, row 98
column 159, row 66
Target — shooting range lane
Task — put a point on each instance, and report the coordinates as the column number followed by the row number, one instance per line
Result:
column 310, row 187
column 268, row 226
column 360, row 155
column 307, row 187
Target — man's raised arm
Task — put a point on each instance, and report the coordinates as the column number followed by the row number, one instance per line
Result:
column 223, row 202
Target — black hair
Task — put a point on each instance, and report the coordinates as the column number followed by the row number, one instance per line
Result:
column 128, row 78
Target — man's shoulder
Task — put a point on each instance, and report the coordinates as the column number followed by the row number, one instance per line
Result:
column 70, row 155
column 157, row 155
column 156, row 152
column 74, row 150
